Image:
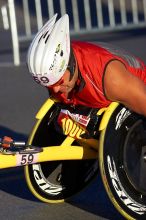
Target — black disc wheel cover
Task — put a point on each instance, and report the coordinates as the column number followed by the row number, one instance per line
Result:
column 56, row 181
column 122, row 164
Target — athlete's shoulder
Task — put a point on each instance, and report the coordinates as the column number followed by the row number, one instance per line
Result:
column 84, row 44
column 88, row 48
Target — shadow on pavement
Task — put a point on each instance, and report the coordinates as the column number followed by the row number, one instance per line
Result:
column 95, row 200
column 8, row 132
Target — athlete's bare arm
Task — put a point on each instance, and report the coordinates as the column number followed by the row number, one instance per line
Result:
column 120, row 85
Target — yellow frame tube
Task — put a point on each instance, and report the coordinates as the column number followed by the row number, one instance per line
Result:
column 53, row 153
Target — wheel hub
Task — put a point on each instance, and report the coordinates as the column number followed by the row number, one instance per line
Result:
column 135, row 156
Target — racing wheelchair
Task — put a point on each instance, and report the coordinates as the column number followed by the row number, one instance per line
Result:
column 67, row 147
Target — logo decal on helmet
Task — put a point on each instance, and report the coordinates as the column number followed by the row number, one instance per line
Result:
column 58, row 48
column 62, row 65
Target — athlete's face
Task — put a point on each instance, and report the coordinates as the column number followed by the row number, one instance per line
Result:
column 65, row 85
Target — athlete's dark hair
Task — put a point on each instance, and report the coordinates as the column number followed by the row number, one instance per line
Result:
column 72, row 63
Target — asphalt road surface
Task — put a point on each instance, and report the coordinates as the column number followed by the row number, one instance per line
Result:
column 20, row 99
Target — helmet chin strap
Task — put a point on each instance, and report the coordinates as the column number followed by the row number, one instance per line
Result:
column 72, row 64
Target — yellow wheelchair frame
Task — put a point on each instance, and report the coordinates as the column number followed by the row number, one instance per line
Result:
column 65, row 151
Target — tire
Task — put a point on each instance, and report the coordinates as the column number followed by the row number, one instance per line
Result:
column 56, row 181
column 122, row 164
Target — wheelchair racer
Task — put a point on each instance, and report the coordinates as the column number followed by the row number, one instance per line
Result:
column 81, row 73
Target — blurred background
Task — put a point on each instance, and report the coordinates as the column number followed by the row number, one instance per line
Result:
column 21, row 19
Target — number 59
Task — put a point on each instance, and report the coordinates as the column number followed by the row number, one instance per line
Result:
column 27, row 158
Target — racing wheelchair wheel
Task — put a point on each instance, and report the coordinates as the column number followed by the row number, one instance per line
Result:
column 122, row 162
column 56, row 181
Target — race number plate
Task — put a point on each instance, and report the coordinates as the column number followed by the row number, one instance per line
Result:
column 24, row 159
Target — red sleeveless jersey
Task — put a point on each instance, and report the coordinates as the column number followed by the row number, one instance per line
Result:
column 92, row 61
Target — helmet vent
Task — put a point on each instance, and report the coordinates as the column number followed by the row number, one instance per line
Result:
column 47, row 38
column 44, row 35
column 40, row 38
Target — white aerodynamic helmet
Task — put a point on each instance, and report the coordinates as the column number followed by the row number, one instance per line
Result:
column 49, row 52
